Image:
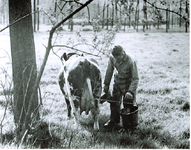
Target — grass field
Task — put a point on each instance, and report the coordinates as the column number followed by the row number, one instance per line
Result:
column 163, row 97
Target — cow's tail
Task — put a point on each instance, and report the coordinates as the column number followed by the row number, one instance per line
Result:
column 95, row 109
column 90, row 88
column 70, row 99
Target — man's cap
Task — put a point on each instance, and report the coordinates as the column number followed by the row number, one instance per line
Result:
column 117, row 50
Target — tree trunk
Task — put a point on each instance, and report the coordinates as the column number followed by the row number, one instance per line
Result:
column 120, row 14
column 38, row 13
column 145, row 14
column 172, row 20
column 23, row 64
column 71, row 19
column 137, row 16
column 107, row 15
column 129, row 17
column 125, row 20
column 138, row 20
column 167, row 20
column 34, row 9
column 98, row 7
column 116, row 16
column 180, row 13
column 187, row 12
column 103, row 21
column 112, row 15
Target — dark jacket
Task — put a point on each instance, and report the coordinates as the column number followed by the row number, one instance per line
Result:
column 127, row 74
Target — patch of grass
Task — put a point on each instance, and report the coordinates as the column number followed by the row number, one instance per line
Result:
column 162, row 91
column 45, row 83
column 8, row 137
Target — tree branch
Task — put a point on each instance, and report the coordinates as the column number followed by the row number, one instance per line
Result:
column 75, row 49
column 166, row 9
column 17, row 21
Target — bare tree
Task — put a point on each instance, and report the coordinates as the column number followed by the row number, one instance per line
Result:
column 23, row 65
column 137, row 16
column 103, row 20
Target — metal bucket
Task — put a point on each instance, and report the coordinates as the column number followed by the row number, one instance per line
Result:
column 129, row 116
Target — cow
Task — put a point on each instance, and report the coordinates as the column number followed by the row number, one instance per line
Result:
column 81, row 84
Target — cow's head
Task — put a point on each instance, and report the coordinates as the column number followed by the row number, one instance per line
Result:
column 66, row 56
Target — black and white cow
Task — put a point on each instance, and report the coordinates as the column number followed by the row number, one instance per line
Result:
column 81, row 84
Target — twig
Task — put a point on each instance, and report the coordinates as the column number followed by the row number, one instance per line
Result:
column 6, row 53
column 1, row 125
column 86, row 44
column 49, row 128
column 71, row 137
column 55, row 53
column 61, row 8
column 40, row 95
column 6, row 106
column 25, row 93
column 22, row 139
column 75, row 49
column 17, row 21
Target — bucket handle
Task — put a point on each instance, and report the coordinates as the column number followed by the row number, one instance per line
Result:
column 130, row 103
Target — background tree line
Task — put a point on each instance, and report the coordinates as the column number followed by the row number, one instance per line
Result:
column 108, row 13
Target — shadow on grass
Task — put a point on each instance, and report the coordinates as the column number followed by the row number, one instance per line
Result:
column 136, row 138
column 60, row 136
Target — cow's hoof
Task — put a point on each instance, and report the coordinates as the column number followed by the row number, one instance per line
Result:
column 69, row 118
column 95, row 131
column 96, row 127
column 109, row 125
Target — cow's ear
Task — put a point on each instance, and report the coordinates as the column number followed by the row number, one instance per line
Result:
column 65, row 57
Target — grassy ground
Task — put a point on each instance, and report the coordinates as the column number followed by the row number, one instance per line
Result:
column 163, row 97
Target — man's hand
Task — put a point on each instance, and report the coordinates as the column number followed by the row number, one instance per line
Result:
column 128, row 95
column 106, row 88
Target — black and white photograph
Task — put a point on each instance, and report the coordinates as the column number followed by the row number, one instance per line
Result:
column 94, row 74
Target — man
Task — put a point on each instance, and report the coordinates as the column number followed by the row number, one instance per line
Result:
column 125, row 82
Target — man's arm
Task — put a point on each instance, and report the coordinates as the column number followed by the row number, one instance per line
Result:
column 108, row 75
column 135, row 78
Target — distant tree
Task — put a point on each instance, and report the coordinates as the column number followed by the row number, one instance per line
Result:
column 145, row 22
column 187, row 12
column 137, row 16
column 34, row 15
column 70, row 24
column 107, row 16
column 112, row 20
column 103, row 19
column 180, row 12
column 178, row 7
column 38, row 15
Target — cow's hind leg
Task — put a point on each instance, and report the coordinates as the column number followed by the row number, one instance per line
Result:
column 95, row 114
column 68, row 107
column 61, row 84
column 95, row 109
